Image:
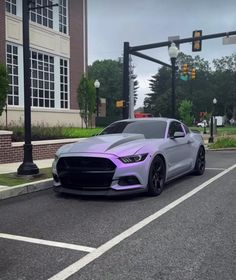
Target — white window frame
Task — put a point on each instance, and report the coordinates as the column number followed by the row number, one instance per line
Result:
column 42, row 89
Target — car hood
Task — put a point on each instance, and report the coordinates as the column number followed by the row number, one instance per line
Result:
column 117, row 144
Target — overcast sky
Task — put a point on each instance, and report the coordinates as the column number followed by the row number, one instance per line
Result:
column 140, row 22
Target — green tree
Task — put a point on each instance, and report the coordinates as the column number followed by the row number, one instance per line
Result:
column 224, row 80
column 110, row 75
column 185, row 112
column 86, row 97
column 199, row 91
column 4, row 84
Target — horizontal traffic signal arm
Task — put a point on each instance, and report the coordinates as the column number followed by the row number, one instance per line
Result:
column 180, row 41
column 151, row 59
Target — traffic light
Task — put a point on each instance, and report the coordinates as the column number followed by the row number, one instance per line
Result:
column 193, row 74
column 120, row 104
column 197, row 44
column 185, row 69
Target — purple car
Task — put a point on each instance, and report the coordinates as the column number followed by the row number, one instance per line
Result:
column 129, row 156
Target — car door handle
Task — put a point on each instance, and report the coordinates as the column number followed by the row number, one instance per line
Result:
column 189, row 141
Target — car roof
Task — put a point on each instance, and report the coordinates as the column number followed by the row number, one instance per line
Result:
column 148, row 119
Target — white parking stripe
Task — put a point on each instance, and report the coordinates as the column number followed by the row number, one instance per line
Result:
column 48, row 243
column 75, row 267
column 215, row 168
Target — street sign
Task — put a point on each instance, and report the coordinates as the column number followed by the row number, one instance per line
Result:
column 173, row 39
column 229, row 40
column 184, row 77
column 120, row 104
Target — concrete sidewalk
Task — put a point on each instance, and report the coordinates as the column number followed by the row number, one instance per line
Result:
column 12, row 167
column 7, row 192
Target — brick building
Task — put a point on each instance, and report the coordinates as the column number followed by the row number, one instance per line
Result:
column 58, row 48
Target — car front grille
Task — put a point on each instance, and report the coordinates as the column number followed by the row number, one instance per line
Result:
column 86, row 173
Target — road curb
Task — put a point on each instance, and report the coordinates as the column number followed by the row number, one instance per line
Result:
column 7, row 192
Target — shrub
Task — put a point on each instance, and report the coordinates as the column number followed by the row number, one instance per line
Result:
column 44, row 132
column 224, row 142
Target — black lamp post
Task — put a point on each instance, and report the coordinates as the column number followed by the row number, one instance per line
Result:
column 97, row 86
column 211, row 138
column 173, row 53
column 27, row 167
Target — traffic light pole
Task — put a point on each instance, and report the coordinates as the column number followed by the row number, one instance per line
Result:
column 173, row 60
column 126, row 54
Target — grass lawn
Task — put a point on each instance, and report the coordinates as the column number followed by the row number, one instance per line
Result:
column 224, row 142
column 221, row 131
column 12, row 179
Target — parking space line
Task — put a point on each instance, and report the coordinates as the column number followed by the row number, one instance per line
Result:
column 75, row 267
column 47, row 242
column 215, row 168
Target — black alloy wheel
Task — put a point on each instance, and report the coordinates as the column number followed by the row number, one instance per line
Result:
column 157, row 175
column 200, row 162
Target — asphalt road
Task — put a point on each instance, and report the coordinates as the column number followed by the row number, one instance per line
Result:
column 189, row 232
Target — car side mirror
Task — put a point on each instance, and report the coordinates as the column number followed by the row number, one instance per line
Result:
column 178, row 134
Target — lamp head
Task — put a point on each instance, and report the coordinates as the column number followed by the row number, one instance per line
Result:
column 97, row 84
column 173, row 50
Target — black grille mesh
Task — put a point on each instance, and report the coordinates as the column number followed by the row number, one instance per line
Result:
column 85, row 172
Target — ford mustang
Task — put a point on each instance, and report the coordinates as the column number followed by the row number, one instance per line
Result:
column 129, row 156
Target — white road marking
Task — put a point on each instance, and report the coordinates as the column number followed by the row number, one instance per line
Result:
column 215, row 168
column 47, row 242
column 75, row 267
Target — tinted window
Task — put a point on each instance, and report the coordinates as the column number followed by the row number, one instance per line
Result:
column 150, row 129
column 174, row 127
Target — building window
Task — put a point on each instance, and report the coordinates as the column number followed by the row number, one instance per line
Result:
column 11, row 6
column 64, row 83
column 42, row 80
column 13, row 72
column 63, row 16
column 42, row 16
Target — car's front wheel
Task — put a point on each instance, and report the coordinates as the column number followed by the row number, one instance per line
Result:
column 200, row 162
column 156, row 179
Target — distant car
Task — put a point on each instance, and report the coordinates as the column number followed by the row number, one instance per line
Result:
column 202, row 124
column 129, row 156
column 142, row 115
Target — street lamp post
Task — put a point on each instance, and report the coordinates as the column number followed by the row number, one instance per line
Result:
column 211, row 138
column 173, row 53
column 97, row 86
column 27, row 167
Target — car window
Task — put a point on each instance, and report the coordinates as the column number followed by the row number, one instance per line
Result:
column 174, row 127
column 150, row 129
column 187, row 130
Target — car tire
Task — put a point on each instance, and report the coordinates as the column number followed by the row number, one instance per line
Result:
column 156, row 178
column 200, row 162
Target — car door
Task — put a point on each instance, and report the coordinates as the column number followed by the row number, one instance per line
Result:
column 178, row 151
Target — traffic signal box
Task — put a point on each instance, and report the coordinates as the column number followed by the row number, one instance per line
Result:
column 193, row 74
column 185, row 69
column 120, row 104
column 188, row 74
column 197, row 44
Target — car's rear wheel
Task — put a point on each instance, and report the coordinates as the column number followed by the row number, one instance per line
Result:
column 200, row 162
column 156, row 179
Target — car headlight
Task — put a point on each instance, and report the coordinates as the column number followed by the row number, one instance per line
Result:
column 54, row 164
column 133, row 158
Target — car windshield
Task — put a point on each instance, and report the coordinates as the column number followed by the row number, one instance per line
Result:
column 150, row 129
